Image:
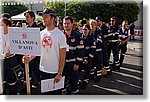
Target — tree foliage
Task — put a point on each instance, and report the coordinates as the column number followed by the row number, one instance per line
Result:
column 88, row 10
column 14, row 9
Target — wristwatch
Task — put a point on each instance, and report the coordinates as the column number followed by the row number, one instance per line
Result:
column 59, row 73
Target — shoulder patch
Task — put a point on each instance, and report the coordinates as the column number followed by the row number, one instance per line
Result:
column 81, row 42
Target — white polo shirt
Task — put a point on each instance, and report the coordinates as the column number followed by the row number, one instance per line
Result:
column 51, row 42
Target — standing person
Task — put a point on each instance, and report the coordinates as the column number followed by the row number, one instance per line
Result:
column 10, row 61
column 132, row 26
column 90, row 48
column 7, row 16
column 98, row 57
column 74, row 56
column 53, row 50
column 113, row 39
column 75, row 26
column 104, row 30
column 34, row 64
column 124, row 37
column 83, row 22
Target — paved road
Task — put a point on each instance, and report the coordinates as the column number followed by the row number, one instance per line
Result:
column 129, row 81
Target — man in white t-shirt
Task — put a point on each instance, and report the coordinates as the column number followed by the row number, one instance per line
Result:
column 53, row 50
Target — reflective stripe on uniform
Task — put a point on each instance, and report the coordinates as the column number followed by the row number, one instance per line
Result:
column 79, row 59
column 99, row 74
column 112, row 40
column 99, row 71
column 87, row 47
column 108, row 69
column 75, row 92
column 97, row 50
column 71, row 60
column 93, row 46
column 117, row 64
column 92, row 73
column 99, row 40
column 123, row 54
column 72, row 48
column 80, row 46
column 86, row 80
column 91, row 55
column 85, row 57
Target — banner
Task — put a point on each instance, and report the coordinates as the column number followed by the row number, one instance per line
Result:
column 25, row 41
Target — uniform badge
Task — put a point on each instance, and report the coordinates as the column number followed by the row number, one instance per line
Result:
column 81, row 42
column 108, row 31
column 73, row 40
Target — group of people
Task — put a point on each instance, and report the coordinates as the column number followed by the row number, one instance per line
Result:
column 67, row 50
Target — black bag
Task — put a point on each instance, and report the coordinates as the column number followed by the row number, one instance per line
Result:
column 18, row 71
column 13, row 69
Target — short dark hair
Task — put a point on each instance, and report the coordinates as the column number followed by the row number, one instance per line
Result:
column 6, row 21
column 69, row 18
column 6, row 15
column 31, row 13
column 88, row 26
column 83, row 22
column 113, row 18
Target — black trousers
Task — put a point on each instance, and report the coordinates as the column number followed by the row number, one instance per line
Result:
column 113, row 46
column 10, row 87
column 44, row 76
column 99, row 63
column 34, row 72
column 71, row 78
column 123, row 49
column 87, row 68
column 105, row 53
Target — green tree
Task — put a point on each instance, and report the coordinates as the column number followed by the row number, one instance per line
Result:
column 106, row 10
column 14, row 9
column 58, row 7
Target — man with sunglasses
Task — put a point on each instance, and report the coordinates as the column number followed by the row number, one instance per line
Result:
column 113, row 41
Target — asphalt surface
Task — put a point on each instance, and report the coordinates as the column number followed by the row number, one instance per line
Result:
column 128, row 81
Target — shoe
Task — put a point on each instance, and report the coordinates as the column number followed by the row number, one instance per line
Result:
column 84, row 85
column 97, row 79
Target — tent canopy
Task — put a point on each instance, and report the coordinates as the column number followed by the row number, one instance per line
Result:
column 22, row 17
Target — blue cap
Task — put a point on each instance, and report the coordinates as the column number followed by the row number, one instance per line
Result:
column 98, row 18
column 47, row 11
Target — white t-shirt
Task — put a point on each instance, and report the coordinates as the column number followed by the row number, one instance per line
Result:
column 51, row 41
column 5, row 46
column 6, row 43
